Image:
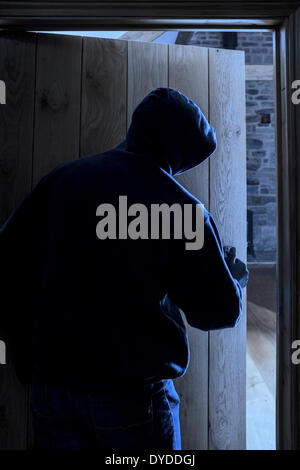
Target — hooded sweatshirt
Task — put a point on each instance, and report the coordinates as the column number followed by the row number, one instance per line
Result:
column 89, row 311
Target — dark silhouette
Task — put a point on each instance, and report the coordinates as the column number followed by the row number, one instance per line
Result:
column 94, row 324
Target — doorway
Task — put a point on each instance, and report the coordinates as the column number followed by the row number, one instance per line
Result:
column 285, row 19
column 89, row 150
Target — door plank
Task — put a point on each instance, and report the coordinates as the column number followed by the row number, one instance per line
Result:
column 57, row 104
column 188, row 73
column 57, row 111
column 17, row 69
column 147, row 69
column 227, row 348
column 104, row 94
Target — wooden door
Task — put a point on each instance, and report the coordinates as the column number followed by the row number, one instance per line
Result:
column 68, row 97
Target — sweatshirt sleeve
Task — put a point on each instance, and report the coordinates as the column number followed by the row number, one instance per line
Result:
column 202, row 286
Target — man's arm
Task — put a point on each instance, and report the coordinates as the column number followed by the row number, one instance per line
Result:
column 202, row 285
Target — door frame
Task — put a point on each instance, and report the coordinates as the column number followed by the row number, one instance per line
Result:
column 284, row 19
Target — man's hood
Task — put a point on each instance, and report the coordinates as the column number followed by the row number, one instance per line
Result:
column 172, row 130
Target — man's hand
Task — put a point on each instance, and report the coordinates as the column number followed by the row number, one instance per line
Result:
column 237, row 268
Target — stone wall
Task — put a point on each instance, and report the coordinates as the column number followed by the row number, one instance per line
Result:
column 260, row 110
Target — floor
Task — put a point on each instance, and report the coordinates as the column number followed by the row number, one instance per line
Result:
column 261, row 358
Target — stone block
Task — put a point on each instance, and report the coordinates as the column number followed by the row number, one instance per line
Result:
column 254, row 144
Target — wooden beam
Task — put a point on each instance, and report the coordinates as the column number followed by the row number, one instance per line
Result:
column 228, row 204
column 88, row 11
column 57, row 102
column 188, row 73
column 184, row 37
column 147, row 36
column 104, row 90
column 147, row 69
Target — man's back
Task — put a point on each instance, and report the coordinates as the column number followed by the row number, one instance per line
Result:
column 100, row 303
column 105, row 309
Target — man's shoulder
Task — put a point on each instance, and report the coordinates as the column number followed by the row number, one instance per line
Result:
column 182, row 193
column 69, row 168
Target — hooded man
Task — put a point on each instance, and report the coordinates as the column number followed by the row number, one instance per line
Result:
column 91, row 315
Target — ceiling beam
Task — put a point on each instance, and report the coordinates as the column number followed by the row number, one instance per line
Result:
column 144, row 15
column 147, row 36
column 184, row 37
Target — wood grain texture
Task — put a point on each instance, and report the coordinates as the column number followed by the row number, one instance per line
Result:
column 188, row 73
column 17, row 68
column 57, row 102
column 104, row 90
column 227, row 348
column 147, row 69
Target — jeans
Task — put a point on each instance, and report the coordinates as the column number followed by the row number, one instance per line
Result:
column 65, row 419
